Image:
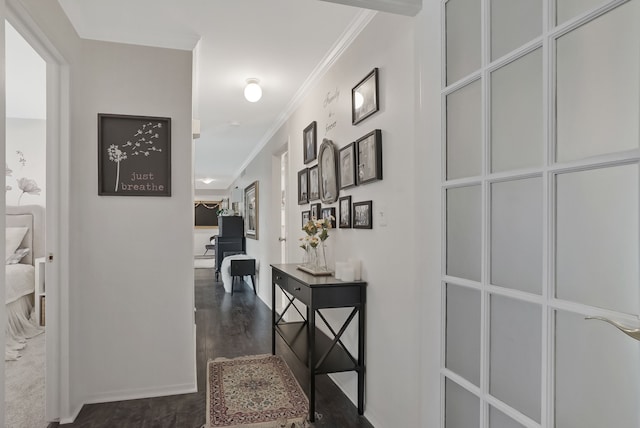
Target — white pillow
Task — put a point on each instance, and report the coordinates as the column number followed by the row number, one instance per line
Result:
column 16, row 257
column 14, row 236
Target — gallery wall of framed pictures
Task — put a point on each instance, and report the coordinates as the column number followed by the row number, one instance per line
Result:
column 343, row 167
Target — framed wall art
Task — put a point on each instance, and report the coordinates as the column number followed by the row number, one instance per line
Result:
column 251, row 212
column 303, row 186
column 134, row 155
column 369, row 150
column 364, row 98
column 314, row 182
column 362, row 215
column 306, row 216
column 347, row 166
column 206, row 214
column 330, row 213
column 310, row 145
column 315, row 211
column 328, row 161
column 344, row 207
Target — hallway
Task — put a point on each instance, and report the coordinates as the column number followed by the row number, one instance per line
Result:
column 227, row 326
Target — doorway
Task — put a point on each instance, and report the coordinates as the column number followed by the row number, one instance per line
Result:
column 284, row 176
column 56, row 271
column 25, row 195
column 541, row 209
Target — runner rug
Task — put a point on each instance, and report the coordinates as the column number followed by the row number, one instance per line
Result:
column 257, row 391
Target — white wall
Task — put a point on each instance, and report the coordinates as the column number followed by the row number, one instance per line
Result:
column 129, row 298
column 26, row 156
column 131, row 257
column 392, row 382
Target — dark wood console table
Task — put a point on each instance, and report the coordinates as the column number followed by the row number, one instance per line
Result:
column 319, row 352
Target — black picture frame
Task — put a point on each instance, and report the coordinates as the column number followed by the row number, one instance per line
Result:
column 314, row 183
column 309, row 143
column 251, row 212
column 328, row 164
column 305, row 216
column 303, row 186
column 369, row 151
column 316, row 211
column 134, row 155
column 330, row 211
column 365, row 99
column 347, row 166
column 362, row 215
column 344, row 209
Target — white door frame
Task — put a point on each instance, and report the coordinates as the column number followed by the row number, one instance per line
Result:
column 57, row 210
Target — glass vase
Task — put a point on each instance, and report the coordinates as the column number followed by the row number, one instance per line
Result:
column 321, row 264
column 313, row 262
column 305, row 257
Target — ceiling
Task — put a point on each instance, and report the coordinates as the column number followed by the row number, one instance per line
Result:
column 283, row 43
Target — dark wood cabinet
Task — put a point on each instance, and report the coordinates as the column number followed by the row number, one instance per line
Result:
column 230, row 239
column 230, row 226
column 226, row 246
column 321, row 353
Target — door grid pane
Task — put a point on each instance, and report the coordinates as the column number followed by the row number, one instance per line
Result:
column 600, row 363
column 517, row 134
column 515, row 354
column 462, row 407
column 463, row 332
column 598, row 86
column 464, row 132
column 516, row 234
column 464, row 227
column 597, row 238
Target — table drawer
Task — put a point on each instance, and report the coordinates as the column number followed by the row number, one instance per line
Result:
column 299, row 291
column 279, row 279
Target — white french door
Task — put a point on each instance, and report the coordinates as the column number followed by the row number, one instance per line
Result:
column 541, row 216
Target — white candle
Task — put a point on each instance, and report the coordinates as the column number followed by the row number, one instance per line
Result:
column 357, row 269
column 338, row 271
column 348, row 273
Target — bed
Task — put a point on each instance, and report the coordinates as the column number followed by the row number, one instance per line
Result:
column 24, row 244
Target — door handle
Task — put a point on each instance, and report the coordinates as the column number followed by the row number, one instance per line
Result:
column 631, row 332
column 282, row 239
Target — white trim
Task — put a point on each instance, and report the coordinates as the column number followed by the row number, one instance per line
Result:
column 57, row 209
column 400, row 7
column 356, row 26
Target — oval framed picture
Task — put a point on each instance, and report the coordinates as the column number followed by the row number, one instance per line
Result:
column 327, row 163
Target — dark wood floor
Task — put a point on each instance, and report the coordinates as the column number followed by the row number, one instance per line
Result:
column 227, row 326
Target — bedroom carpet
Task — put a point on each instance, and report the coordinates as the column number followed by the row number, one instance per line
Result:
column 24, row 387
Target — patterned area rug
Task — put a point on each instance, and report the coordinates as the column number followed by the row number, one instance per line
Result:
column 257, row 391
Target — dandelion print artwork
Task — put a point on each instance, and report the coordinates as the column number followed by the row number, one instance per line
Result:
column 134, row 155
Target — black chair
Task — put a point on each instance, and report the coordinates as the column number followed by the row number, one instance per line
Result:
column 241, row 268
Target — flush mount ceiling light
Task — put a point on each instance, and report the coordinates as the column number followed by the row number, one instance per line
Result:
column 207, row 180
column 253, row 91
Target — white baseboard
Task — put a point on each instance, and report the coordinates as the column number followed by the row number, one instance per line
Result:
column 131, row 394
column 367, row 413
